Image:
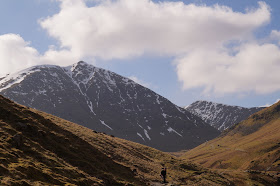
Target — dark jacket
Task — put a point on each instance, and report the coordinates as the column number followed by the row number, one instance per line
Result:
column 163, row 173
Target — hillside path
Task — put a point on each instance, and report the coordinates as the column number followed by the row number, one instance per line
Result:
column 161, row 184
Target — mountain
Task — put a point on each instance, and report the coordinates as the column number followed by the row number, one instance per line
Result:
column 37, row 148
column 220, row 116
column 253, row 144
column 105, row 101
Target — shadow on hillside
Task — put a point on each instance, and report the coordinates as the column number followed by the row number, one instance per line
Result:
column 41, row 138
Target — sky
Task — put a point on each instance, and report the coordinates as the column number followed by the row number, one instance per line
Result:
column 216, row 50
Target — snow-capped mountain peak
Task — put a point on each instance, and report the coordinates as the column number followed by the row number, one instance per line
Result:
column 105, row 101
column 220, row 116
column 16, row 78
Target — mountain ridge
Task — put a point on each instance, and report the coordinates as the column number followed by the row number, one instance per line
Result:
column 221, row 116
column 105, row 101
column 252, row 144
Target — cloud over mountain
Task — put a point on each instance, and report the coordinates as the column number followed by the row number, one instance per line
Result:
column 15, row 52
column 207, row 42
column 128, row 28
column 254, row 67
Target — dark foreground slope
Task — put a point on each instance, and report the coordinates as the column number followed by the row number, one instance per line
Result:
column 107, row 102
column 40, row 149
column 35, row 150
column 253, row 144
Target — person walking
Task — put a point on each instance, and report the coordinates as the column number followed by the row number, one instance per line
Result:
column 163, row 175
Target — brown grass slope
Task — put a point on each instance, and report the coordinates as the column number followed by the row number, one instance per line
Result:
column 40, row 149
column 145, row 162
column 253, row 144
column 33, row 149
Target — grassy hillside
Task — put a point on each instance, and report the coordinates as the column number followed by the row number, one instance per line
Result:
column 253, row 144
column 40, row 149
column 35, row 150
column 145, row 162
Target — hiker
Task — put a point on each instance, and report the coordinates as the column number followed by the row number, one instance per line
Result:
column 163, row 174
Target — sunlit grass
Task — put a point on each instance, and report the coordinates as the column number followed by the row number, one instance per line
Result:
column 54, row 151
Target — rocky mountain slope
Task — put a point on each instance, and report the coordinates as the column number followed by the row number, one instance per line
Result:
column 253, row 144
column 107, row 102
column 37, row 148
column 220, row 116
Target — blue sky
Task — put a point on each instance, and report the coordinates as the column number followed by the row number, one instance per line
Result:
column 216, row 65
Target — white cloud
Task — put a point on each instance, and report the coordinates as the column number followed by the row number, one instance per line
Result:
column 61, row 57
column 128, row 28
column 195, row 35
column 141, row 82
column 275, row 36
column 15, row 53
column 254, row 68
column 214, row 46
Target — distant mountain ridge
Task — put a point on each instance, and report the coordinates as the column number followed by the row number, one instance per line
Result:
column 221, row 116
column 107, row 102
column 252, row 144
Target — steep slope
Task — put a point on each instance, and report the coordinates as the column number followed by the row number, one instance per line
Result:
column 252, row 144
column 107, row 102
column 36, row 151
column 40, row 149
column 220, row 116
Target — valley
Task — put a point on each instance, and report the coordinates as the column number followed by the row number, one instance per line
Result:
column 39, row 148
column 112, row 111
column 139, row 93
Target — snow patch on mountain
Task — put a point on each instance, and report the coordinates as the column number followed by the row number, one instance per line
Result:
column 146, row 133
column 172, row 130
column 140, row 136
column 16, row 78
column 103, row 123
column 158, row 101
